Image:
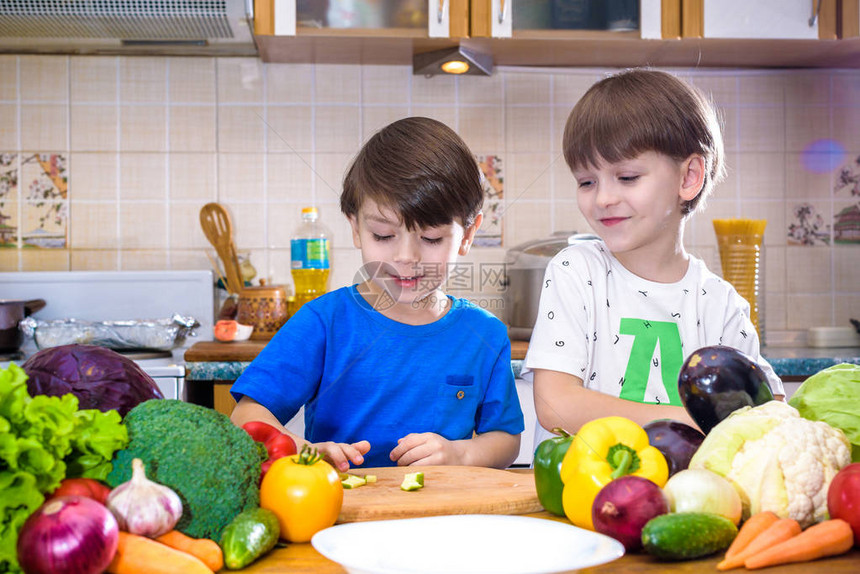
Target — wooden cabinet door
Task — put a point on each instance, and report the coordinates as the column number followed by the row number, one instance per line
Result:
column 362, row 18
column 575, row 19
column 760, row 19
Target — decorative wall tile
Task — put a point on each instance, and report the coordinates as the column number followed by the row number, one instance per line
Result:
column 808, row 224
column 44, row 220
column 491, row 232
column 526, row 88
column 336, row 128
column 846, row 223
column 289, row 176
column 142, row 225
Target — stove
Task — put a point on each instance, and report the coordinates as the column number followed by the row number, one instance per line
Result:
column 119, row 296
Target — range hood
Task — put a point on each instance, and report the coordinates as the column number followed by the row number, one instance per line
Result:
column 129, row 27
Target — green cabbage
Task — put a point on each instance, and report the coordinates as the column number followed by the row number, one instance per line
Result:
column 833, row 396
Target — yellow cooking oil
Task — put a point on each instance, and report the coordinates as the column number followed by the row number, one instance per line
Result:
column 310, row 259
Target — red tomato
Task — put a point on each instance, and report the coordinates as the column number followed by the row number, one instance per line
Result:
column 83, row 487
column 843, row 498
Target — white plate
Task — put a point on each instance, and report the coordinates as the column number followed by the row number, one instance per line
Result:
column 469, row 543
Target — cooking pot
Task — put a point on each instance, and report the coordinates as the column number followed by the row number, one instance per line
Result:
column 525, row 265
column 11, row 313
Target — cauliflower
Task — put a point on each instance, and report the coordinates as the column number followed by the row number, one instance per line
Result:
column 776, row 459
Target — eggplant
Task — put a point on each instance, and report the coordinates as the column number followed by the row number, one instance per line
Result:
column 716, row 381
column 677, row 441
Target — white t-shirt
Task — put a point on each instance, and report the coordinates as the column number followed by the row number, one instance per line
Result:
column 628, row 337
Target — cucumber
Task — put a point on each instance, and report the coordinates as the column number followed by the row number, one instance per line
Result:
column 687, row 535
column 250, row 535
column 412, row 481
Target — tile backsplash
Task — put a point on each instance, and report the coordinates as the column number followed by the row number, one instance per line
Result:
column 106, row 161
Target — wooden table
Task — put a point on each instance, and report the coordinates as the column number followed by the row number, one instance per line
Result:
column 303, row 559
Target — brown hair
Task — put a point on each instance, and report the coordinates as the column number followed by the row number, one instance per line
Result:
column 641, row 110
column 421, row 169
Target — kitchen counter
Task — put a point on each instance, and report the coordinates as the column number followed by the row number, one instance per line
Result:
column 215, row 361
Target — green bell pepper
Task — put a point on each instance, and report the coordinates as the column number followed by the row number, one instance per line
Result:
column 547, row 467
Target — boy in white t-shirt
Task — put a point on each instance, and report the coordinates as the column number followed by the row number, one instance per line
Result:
column 619, row 316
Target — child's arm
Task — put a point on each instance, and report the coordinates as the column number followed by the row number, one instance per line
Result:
column 494, row 449
column 561, row 400
column 247, row 410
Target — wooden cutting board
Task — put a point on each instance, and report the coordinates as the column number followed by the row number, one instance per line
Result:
column 447, row 490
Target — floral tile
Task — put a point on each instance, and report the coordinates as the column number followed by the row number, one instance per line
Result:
column 8, row 223
column 807, row 227
column 8, row 200
column 45, row 200
column 848, row 180
column 490, row 232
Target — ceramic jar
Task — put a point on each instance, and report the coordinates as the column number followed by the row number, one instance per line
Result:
column 264, row 307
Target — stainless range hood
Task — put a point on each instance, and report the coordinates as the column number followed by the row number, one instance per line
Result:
column 132, row 27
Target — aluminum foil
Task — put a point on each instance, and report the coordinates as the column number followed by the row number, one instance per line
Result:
column 155, row 334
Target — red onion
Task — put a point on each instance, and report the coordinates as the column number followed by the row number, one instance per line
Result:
column 68, row 534
column 623, row 506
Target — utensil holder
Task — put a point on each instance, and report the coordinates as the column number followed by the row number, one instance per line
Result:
column 741, row 258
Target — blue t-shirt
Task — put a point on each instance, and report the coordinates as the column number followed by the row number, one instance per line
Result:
column 363, row 376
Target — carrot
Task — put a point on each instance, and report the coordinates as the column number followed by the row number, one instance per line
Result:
column 141, row 555
column 206, row 550
column 827, row 538
column 755, row 525
column 779, row 531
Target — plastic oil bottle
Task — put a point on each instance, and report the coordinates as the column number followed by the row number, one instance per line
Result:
column 310, row 250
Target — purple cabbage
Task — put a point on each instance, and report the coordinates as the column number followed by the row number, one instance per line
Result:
column 101, row 378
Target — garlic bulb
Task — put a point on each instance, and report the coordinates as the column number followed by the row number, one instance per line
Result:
column 144, row 507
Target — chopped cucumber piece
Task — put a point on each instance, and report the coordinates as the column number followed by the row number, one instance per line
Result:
column 352, row 481
column 412, row 481
column 370, row 478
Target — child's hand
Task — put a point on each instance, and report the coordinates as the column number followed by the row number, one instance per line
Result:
column 425, row 449
column 340, row 455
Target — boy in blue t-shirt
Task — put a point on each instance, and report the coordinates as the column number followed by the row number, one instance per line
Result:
column 391, row 370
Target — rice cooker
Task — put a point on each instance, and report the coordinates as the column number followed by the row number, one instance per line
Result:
column 525, row 266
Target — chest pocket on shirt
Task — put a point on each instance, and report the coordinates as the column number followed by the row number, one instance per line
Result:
column 457, row 400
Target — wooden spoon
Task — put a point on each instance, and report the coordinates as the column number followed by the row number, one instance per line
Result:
column 218, row 229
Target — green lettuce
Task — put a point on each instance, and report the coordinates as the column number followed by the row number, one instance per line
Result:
column 833, row 396
column 42, row 441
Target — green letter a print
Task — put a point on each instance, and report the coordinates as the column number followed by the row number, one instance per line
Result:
column 647, row 334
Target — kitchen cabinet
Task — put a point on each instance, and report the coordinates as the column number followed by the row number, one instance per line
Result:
column 761, row 19
column 671, row 34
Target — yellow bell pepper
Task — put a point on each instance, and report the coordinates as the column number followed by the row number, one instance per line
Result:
column 603, row 450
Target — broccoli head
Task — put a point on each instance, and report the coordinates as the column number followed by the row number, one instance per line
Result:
column 213, row 465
